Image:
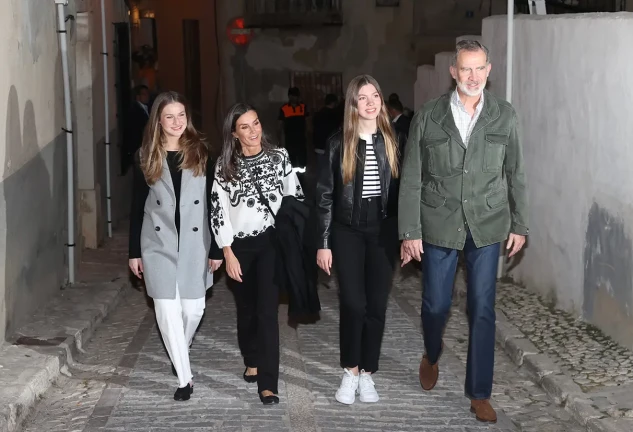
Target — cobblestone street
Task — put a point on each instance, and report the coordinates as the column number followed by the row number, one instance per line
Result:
column 123, row 381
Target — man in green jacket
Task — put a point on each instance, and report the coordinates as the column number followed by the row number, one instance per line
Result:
column 463, row 187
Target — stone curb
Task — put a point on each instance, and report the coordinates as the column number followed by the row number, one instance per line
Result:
column 560, row 387
column 55, row 335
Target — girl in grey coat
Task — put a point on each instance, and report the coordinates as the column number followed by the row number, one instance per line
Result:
column 170, row 240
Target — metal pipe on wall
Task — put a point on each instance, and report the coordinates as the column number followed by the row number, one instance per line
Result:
column 61, row 19
column 509, row 54
column 106, row 107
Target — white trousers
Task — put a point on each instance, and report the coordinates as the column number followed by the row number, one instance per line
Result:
column 177, row 321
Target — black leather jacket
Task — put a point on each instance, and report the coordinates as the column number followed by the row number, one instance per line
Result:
column 336, row 201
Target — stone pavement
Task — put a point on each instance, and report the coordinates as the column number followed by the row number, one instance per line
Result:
column 581, row 367
column 123, row 381
column 38, row 352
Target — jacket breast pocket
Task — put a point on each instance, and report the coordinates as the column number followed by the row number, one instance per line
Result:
column 495, row 150
column 439, row 156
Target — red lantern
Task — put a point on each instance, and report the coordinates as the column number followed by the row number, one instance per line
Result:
column 237, row 34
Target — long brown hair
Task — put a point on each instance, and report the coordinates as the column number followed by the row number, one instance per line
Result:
column 193, row 148
column 351, row 129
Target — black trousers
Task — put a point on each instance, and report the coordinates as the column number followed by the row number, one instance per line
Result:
column 257, row 298
column 364, row 258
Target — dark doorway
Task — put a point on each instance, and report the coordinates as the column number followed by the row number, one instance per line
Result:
column 193, row 79
column 123, row 84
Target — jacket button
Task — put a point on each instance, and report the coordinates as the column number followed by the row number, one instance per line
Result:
column 195, row 229
column 157, row 228
column 196, row 202
column 158, row 202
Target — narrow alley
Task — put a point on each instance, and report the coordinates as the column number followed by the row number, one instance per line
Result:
column 123, row 380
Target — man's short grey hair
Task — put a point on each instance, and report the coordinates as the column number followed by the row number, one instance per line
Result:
column 469, row 45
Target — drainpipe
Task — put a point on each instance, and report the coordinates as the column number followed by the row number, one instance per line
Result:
column 509, row 54
column 106, row 111
column 61, row 19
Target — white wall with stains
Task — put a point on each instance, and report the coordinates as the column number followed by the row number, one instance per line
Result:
column 572, row 95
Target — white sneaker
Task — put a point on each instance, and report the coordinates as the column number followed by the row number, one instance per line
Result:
column 366, row 388
column 346, row 393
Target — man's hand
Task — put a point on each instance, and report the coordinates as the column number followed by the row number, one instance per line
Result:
column 515, row 244
column 411, row 249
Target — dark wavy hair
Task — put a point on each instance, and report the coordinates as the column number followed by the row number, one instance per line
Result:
column 231, row 147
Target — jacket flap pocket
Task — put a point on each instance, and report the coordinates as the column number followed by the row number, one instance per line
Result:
column 497, row 198
column 432, row 199
column 498, row 136
column 434, row 142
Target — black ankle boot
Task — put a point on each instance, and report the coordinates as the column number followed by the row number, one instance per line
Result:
column 183, row 393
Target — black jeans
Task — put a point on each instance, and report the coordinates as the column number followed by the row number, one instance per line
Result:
column 364, row 257
column 257, row 298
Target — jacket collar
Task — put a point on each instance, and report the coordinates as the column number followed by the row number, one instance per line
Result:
column 443, row 115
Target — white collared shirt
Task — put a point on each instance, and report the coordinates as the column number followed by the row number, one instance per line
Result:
column 464, row 122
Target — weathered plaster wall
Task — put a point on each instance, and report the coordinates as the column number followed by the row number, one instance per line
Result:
column 32, row 161
column 571, row 95
column 373, row 40
column 438, row 23
column 169, row 17
column 33, row 205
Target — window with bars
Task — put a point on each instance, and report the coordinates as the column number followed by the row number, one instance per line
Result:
column 314, row 86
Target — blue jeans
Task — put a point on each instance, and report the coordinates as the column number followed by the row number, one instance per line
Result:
column 439, row 265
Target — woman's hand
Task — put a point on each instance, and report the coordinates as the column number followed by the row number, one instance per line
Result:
column 136, row 265
column 233, row 268
column 214, row 264
column 324, row 260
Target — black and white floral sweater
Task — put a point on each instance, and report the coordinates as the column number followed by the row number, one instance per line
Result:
column 236, row 208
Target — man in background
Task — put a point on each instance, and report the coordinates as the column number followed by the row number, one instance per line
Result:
column 137, row 117
column 292, row 125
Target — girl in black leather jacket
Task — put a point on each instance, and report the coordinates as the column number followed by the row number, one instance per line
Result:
column 357, row 229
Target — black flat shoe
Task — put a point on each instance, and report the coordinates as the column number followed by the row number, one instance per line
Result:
column 249, row 378
column 269, row 400
column 183, row 393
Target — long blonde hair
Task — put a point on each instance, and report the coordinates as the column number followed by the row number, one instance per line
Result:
column 193, row 149
column 351, row 129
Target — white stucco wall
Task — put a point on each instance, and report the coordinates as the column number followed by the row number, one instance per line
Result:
column 572, row 91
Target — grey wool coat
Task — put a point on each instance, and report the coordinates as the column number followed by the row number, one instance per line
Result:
column 164, row 263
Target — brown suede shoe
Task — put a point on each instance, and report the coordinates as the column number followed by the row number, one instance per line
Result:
column 483, row 411
column 428, row 374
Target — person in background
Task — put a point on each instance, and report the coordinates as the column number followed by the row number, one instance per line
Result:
column 293, row 129
column 135, row 122
column 170, row 240
column 251, row 179
column 393, row 97
column 357, row 192
column 400, row 121
column 326, row 122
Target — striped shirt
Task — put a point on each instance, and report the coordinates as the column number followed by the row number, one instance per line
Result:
column 371, row 178
column 465, row 122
